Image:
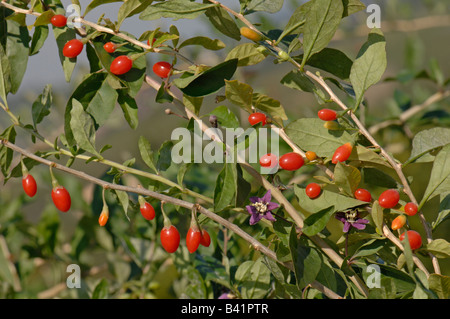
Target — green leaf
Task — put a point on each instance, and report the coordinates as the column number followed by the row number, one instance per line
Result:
column 316, row 222
column 310, row 135
column 175, row 9
column 326, row 199
column 225, row 189
column 322, row 21
column 271, row 6
column 444, row 210
column 101, row 290
column 367, row 157
column 225, row 117
column 426, row 141
column 332, row 61
column 193, row 103
column 377, row 215
column 369, row 64
column 269, row 105
column 223, row 22
column 6, row 154
column 205, row 42
column 5, row 71
column 124, row 201
column 440, row 175
column 253, row 277
column 164, row 156
column 130, row 8
column 62, row 36
column 44, row 18
column 129, row 109
column 15, row 41
column 352, row 6
column 296, row 21
column 439, row 247
column 240, row 94
column 347, row 177
column 440, row 285
column 83, row 129
column 306, row 259
column 209, row 81
column 247, row 54
column 146, row 153
column 162, row 96
column 41, row 107
column 299, row 81
column 40, row 34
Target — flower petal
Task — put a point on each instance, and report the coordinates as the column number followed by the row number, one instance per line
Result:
column 359, row 226
column 272, row 206
column 347, row 226
column 267, row 197
column 268, row 215
column 255, row 218
column 254, row 199
column 251, row 209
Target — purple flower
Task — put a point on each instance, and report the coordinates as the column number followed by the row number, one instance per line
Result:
column 351, row 219
column 261, row 208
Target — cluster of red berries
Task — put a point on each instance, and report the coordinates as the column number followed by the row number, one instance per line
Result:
column 60, row 195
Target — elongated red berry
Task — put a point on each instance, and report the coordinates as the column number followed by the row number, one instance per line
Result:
column 269, row 160
column 193, row 239
column 363, row 195
column 342, row 153
column 389, row 198
column 73, row 48
column 109, row 47
column 291, row 161
column 121, row 65
column 29, row 185
column 414, row 238
column 170, row 238
column 256, row 118
column 61, row 198
column 327, row 115
column 147, row 211
column 162, row 69
column 313, row 190
column 58, row 20
column 206, row 239
column 411, row 209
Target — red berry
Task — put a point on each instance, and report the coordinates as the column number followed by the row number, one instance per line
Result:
column 363, row 195
column 73, row 48
column 327, row 115
column 61, row 198
column 121, row 65
column 342, row 153
column 193, row 238
column 398, row 222
column 58, row 20
column 269, row 160
column 162, row 69
column 389, row 198
column 411, row 209
column 103, row 219
column 313, row 190
column 147, row 211
column 256, row 118
column 29, row 185
column 414, row 238
column 109, row 47
column 170, row 238
column 206, row 239
column 291, row 161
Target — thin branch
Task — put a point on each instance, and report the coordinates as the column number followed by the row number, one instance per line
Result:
column 436, row 97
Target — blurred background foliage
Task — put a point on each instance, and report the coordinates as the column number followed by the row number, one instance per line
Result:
column 124, row 259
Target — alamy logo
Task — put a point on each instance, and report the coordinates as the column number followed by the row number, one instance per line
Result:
column 74, row 279
column 230, row 145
